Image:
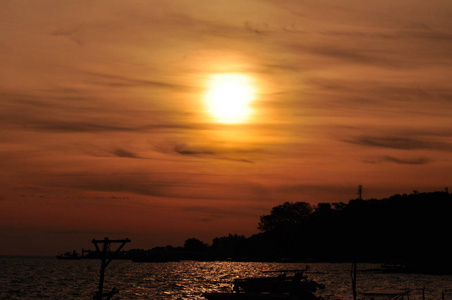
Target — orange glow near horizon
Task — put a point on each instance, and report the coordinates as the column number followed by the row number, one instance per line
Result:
column 194, row 119
column 229, row 97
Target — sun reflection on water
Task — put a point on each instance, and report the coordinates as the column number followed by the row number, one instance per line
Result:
column 53, row 279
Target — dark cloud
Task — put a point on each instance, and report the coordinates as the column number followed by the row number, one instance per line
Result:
column 276, row 66
column 262, row 28
column 425, row 32
column 88, row 232
column 165, row 185
column 397, row 160
column 407, row 161
column 415, row 31
column 20, row 104
column 76, row 126
column 340, row 54
column 123, row 81
column 75, row 34
column 380, row 99
column 124, row 153
column 358, row 34
column 383, row 91
column 437, row 95
column 381, row 48
column 401, row 143
column 303, row 188
column 197, row 186
column 221, row 212
column 351, row 55
column 131, row 184
column 183, row 149
column 84, row 126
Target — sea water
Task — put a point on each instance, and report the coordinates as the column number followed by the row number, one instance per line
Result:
column 49, row 278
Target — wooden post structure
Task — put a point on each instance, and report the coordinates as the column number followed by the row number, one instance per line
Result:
column 353, row 273
column 354, row 269
column 106, row 258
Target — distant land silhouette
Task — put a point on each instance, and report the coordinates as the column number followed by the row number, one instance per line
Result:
column 412, row 230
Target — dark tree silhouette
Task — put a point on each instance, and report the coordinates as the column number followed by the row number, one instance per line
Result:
column 229, row 247
column 286, row 214
column 193, row 244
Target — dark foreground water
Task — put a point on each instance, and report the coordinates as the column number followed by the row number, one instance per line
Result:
column 49, row 278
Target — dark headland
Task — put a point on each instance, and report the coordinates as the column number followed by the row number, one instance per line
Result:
column 411, row 230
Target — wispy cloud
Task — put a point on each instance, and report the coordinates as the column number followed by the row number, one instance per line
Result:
column 89, row 232
column 222, row 212
column 124, row 153
column 407, row 161
column 402, row 143
column 231, row 154
column 75, row 34
column 164, row 185
column 77, row 126
column 398, row 160
column 417, row 31
column 86, row 126
column 119, row 81
column 343, row 55
column 385, row 92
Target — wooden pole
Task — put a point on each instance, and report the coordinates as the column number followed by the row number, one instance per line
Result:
column 102, row 268
column 103, row 255
column 353, row 273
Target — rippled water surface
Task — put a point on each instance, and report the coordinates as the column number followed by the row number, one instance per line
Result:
column 49, row 278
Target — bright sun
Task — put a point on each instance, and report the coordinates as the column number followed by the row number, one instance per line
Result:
column 229, row 97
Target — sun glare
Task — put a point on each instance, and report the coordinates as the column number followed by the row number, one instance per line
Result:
column 229, row 97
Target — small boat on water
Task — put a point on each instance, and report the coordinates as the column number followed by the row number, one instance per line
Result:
column 296, row 287
column 69, row 256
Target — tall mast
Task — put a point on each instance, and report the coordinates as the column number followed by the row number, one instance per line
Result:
column 360, row 192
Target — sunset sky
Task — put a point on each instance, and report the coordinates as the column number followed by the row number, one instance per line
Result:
column 108, row 125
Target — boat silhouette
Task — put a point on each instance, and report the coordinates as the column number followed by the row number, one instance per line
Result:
column 69, row 256
column 296, row 287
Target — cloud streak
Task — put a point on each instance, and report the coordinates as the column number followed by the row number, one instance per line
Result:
column 117, row 81
column 407, row 161
column 183, row 149
column 401, row 143
column 397, row 160
column 80, row 126
column 124, row 153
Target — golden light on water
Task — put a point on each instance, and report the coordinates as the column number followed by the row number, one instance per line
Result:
column 229, row 97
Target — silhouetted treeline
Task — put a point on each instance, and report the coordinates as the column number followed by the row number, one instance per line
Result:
column 413, row 229
column 221, row 249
